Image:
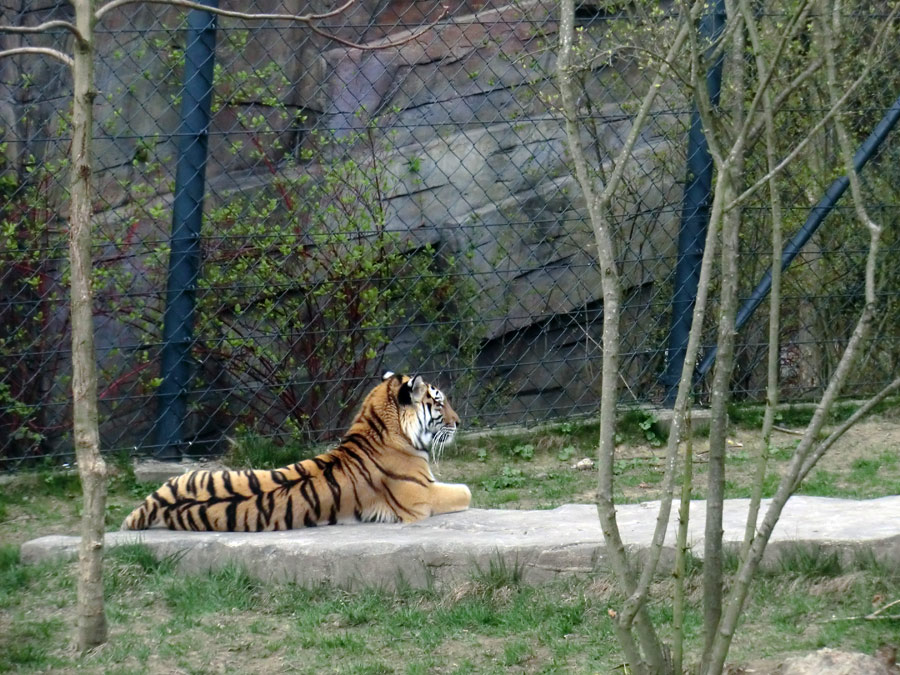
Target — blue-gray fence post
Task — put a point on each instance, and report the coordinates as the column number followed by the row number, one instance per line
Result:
column 813, row 221
column 187, row 216
column 694, row 216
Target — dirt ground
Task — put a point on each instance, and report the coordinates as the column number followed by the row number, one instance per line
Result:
column 863, row 440
column 875, row 442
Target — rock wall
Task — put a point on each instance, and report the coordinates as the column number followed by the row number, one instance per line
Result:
column 469, row 105
column 468, row 129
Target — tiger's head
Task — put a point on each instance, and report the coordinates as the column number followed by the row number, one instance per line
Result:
column 424, row 413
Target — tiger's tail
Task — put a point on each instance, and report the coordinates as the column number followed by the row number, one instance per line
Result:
column 139, row 519
column 150, row 512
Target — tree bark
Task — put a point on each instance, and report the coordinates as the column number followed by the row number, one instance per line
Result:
column 773, row 356
column 650, row 657
column 91, row 467
column 729, row 172
column 807, row 453
column 681, row 551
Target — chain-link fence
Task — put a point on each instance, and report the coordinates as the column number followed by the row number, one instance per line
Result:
column 409, row 209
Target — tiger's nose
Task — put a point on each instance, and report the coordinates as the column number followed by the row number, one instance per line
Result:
column 450, row 416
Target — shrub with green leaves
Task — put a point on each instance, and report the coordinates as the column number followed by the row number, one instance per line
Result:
column 305, row 285
column 306, row 279
column 33, row 311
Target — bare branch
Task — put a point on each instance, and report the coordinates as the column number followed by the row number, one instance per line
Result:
column 824, row 446
column 633, row 612
column 308, row 19
column 786, row 488
column 681, row 551
column 40, row 28
column 379, row 44
column 637, row 125
column 775, row 206
column 880, row 610
column 844, row 138
column 791, row 156
column 569, row 106
column 754, row 134
column 702, row 98
column 805, row 455
column 829, row 29
column 785, row 430
column 638, row 597
column 251, row 16
column 44, row 51
column 877, row 44
column 750, row 130
column 762, row 89
column 729, row 176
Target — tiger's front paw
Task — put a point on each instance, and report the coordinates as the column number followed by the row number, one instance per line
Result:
column 447, row 498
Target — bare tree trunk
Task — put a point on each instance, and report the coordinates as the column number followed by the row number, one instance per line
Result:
column 788, row 485
column 650, row 657
column 721, row 389
column 772, row 363
column 806, row 453
column 91, row 467
column 611, row 303
column 681, row 551
column 729, row 173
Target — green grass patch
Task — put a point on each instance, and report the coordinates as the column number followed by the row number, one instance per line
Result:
column 227, row 589
column 638, row 426
column 499, row 574
column 750, row 416
column 258, row 452
column 809, row 561
column 492, row 622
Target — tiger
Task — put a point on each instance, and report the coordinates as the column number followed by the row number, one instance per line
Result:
column 380, row 472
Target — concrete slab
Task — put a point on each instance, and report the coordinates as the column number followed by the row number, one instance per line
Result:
column 154, row 471
column 701, row 418
column 566, row 540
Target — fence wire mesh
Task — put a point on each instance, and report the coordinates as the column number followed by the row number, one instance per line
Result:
column 409, row 209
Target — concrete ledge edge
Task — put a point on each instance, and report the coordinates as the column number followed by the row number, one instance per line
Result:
column 448, row 548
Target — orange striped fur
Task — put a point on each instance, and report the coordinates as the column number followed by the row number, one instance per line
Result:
column 379, row 473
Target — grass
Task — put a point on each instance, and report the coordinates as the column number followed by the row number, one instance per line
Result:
column 861, row 478
column 49, row 502
column 162, row 621
column 499, row 574
column 799, row 414
column 256, row 452
column 534, row 470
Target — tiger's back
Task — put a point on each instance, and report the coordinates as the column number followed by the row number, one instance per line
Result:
column 380, row 472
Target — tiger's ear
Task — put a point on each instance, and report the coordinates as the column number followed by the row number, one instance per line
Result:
column 417, row 388
column 388, row 374
column 412, row 391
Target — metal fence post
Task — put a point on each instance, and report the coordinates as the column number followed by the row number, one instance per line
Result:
column 694, row 216
column 187, row 216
